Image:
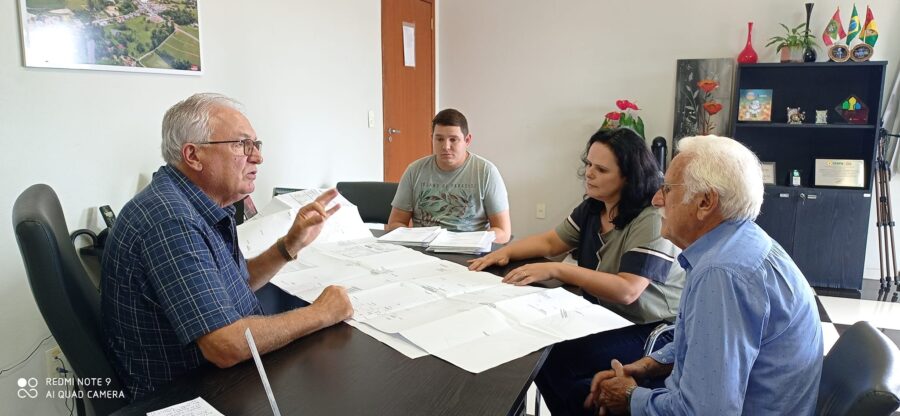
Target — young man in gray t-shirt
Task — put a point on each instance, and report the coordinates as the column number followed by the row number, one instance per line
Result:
column 452, row 188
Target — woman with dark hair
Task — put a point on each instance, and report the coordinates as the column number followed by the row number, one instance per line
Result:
column 623, row 264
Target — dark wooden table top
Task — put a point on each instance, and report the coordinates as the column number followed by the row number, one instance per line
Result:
column 342, row 371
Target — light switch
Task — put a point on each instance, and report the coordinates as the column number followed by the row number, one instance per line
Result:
column 540, row 211
column 371, row 119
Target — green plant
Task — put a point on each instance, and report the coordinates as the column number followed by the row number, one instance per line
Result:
column 797, row 37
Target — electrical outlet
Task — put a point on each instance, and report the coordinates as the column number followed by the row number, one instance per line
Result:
column 540, row 211
column 52, row 363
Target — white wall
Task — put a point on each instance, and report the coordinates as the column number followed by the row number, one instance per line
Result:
column 535, row 78
column 307, row 71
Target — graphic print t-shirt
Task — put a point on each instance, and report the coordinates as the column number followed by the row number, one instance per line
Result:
column 460, row 200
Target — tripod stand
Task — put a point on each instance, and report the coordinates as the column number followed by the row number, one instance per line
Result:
column 887, row 254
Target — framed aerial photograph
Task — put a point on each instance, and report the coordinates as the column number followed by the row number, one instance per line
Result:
column 161, row 36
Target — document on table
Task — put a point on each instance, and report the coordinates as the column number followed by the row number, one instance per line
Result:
column 463, row 242
column 416, row 237
column 261, row 232
column 196, row 407
column 419, row 304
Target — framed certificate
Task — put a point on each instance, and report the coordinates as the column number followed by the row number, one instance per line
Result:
column 768, row 173
column 846, row 173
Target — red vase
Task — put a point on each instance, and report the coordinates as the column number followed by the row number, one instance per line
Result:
column 748, row 55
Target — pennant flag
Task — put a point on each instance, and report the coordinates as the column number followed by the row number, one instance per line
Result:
column 834, row 30
column 853, row 28
column 870, row 30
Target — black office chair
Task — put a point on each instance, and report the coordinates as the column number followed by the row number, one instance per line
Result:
column 372, row 198
column 65, row 295
column 861, row 374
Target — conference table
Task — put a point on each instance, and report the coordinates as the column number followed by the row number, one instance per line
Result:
column 341, row 371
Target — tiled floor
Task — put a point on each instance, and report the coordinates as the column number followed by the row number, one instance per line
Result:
column 838, row 309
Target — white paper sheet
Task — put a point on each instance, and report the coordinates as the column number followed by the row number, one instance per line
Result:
column 501, row 347
column 196, row 407
column 387, row 299
column 394, row 341
column 417, row 236
column 419, row 304
column 316, row 280
column 394, row 322
column 455, row 284
column 395, row 259
column 409, row 44
column 258, row 235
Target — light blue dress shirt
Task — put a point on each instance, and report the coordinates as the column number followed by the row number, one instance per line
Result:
column 748, row 340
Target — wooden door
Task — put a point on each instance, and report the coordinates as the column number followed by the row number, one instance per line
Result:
column 408, row 84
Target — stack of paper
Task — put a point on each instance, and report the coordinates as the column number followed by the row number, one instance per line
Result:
column 474, row 242
column 413, row 237
column 419, row 304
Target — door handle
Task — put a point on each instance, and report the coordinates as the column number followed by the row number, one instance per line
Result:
column 391, row 133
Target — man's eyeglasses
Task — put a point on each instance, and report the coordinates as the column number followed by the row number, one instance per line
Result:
column 667, row 187
column 248, row 145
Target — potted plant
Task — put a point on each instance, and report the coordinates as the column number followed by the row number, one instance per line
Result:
column 793, row 43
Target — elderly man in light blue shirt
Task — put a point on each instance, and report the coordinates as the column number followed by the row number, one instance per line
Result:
column 748, row 340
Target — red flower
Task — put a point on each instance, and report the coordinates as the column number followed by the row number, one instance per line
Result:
column 707, row 85
column 612, row 115
column 712, row 107
column 625, row 104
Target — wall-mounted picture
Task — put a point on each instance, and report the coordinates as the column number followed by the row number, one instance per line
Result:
column 703, row 97
column 768, row 172
column 755, row 105
column 113, row 35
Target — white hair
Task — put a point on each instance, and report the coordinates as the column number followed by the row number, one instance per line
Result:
column 726, row 167
column 188, row 122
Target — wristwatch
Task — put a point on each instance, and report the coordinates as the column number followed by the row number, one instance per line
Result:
column 284, row 251
column 628, row 392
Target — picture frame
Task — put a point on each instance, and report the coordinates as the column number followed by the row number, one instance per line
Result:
column 755, row 105
column 843, row 173
column 839, row 53
column 703, row 97
column 768, row 173
column 155, row 36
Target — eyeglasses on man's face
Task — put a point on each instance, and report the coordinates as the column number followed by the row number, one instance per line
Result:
column 665, row 188
column 247, row 144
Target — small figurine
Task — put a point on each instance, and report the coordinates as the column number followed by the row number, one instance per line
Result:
column 821, row 116
column 795, row 116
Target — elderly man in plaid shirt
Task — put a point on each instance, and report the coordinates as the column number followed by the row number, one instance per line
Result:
column 176, row 290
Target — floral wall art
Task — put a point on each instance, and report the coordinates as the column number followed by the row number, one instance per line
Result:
column 703, row 89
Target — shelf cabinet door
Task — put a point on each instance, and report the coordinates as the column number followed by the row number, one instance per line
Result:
column 830, row 236
column 777, row 215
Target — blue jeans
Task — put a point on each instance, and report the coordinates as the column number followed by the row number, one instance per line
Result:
column 565, row 378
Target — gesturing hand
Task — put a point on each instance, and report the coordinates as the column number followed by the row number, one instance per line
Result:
column 309, row 222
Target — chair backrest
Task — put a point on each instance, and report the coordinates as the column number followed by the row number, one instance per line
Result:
column 65, row 295
column 860, row 375
column 372, row 198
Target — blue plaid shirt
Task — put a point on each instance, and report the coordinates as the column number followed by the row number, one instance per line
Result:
column 171, row 273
